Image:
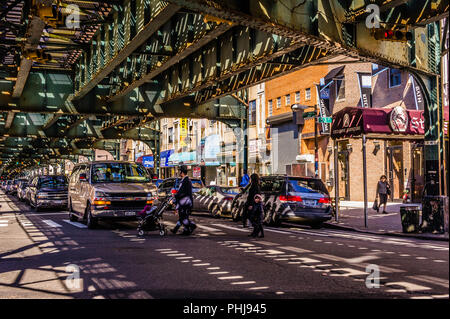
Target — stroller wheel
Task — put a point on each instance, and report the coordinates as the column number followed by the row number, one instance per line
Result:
column 141, row 232
column 162, row 232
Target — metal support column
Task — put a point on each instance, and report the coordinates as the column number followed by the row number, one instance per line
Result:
column 336, row 180
column 364, row 178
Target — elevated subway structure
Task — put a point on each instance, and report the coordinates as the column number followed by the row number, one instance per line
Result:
column 129, row 63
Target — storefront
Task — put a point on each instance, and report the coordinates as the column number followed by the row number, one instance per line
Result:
column 392, row 144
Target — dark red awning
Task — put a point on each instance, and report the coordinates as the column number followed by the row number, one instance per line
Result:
column 354, row 121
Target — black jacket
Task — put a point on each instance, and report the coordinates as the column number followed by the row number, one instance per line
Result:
column 184, row 190
column 254, row 189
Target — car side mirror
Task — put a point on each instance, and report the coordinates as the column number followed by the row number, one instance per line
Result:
column 83, row 177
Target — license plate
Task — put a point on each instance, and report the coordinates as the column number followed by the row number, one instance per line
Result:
column 130, row 213
column 310, row 202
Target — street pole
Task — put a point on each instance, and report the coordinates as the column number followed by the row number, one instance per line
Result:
column 364, row 178
column 316, row 146
column 336, row 180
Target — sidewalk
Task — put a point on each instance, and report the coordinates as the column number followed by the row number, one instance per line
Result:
column 351, row 217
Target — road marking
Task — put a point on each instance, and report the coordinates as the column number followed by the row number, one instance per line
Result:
column 407, row 285
column 210, row 229
column 258, row 288
column 361, row 259
column 183, row 257
column 267, row 243
column 306, row 260
column 4, row 223
column 199, row 265
column 219, row 273
column 213, row 268
column 233, row 228
column 243, row 283
column 349, row 272
column 51, row 223
column 430, row 280
column 47, row 214
column 230, row 277
column 296, row 249
column 163, row 249
column 76, row 224
column 439, row 261
column 176, row 255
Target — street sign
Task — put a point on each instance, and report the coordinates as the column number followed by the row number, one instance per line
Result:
column 324, row 120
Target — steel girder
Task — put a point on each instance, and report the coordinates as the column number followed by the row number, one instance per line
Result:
column 325, row 24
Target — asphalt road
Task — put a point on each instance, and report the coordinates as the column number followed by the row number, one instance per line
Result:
column 43, row 255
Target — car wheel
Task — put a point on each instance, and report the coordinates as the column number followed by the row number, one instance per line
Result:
column 216, row 211
column 72, row 216
column 91, row 222
column 235, row 214
column 316, row 225
column 35, row 206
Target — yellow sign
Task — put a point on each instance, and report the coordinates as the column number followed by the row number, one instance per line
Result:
column 183, row 131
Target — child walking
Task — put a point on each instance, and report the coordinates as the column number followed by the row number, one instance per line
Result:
column 256, row 217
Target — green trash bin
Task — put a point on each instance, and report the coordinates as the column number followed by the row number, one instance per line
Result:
column 410, row 215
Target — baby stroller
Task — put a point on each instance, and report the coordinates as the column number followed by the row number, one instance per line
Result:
column 150, row 218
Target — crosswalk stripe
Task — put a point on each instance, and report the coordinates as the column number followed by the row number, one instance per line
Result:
column 229, row 227
column 79, row 225
column 51, row 223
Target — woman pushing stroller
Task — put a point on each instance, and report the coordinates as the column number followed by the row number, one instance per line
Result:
column 184, row 202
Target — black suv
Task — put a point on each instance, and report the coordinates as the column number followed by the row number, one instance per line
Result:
column 289, row 198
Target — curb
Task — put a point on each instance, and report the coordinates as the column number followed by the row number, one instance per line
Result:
column 418, row 236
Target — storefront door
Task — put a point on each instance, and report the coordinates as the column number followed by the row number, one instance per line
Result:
column 395, row 170
column 344, row 173
column 417, row 178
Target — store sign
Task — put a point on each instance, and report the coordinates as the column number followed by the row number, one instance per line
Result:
column 323, row 108
column 365, row 89
column 398, row 119
column 196, row 172
column 183, row 131
column 148, row 161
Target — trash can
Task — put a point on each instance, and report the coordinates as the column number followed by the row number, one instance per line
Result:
column 433, row 214
column 410, row 216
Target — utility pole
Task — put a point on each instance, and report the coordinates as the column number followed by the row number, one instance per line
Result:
column 316, row 145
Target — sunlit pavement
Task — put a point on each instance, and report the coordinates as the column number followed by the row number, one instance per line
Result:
column 43, row 255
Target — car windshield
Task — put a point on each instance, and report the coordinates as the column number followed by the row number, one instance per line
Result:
column 272, row 185
column 231, row 191
column 307, row 186
column 52, row 181
column 119, row 173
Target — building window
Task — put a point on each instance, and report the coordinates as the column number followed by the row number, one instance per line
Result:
column 278, row 102
column 395, row 77
column 252, row 112
column 297, row 97
column 170, row 134
column 288, row 99
column 270, row 107
column 340, row 88
column 308, row 94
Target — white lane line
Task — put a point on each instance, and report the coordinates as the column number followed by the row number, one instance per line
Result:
column 47, row 214
column 430, row 280
column 296, row 249
column 361, row 259
column 258, row 288
column 233, row 228
column 200, row 265
column 348, row 272
column 439, row 261
column 407, row 286
column 210, row 229
column 163, row 249
column 181, row 258
column 306, row 260
column 51, row 223
column 76, row 224
column 267, row 243
column 219, row 273
column 243, row 283
column 230, row 277
column 176, row 255
column 213, row 268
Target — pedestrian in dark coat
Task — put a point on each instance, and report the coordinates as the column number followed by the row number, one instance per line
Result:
column 383, row 190
column 257, row 216
column 254, row 189
column 184, row 201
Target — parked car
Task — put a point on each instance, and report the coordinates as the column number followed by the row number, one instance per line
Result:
column 16, row 185
column 21, row 190
column 108, row 190
column 157, row 182
column 170, row 186
column 9, row 186
column 288, row 198
column 215, row 199
column 47, row 191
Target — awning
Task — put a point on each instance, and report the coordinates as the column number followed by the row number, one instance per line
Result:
column 280, row 118
column 333, row 73
column 354, row 121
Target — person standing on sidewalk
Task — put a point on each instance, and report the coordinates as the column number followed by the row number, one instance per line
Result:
column 383, row 190
column 254, row 190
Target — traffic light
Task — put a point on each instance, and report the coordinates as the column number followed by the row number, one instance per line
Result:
column 392, row 35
